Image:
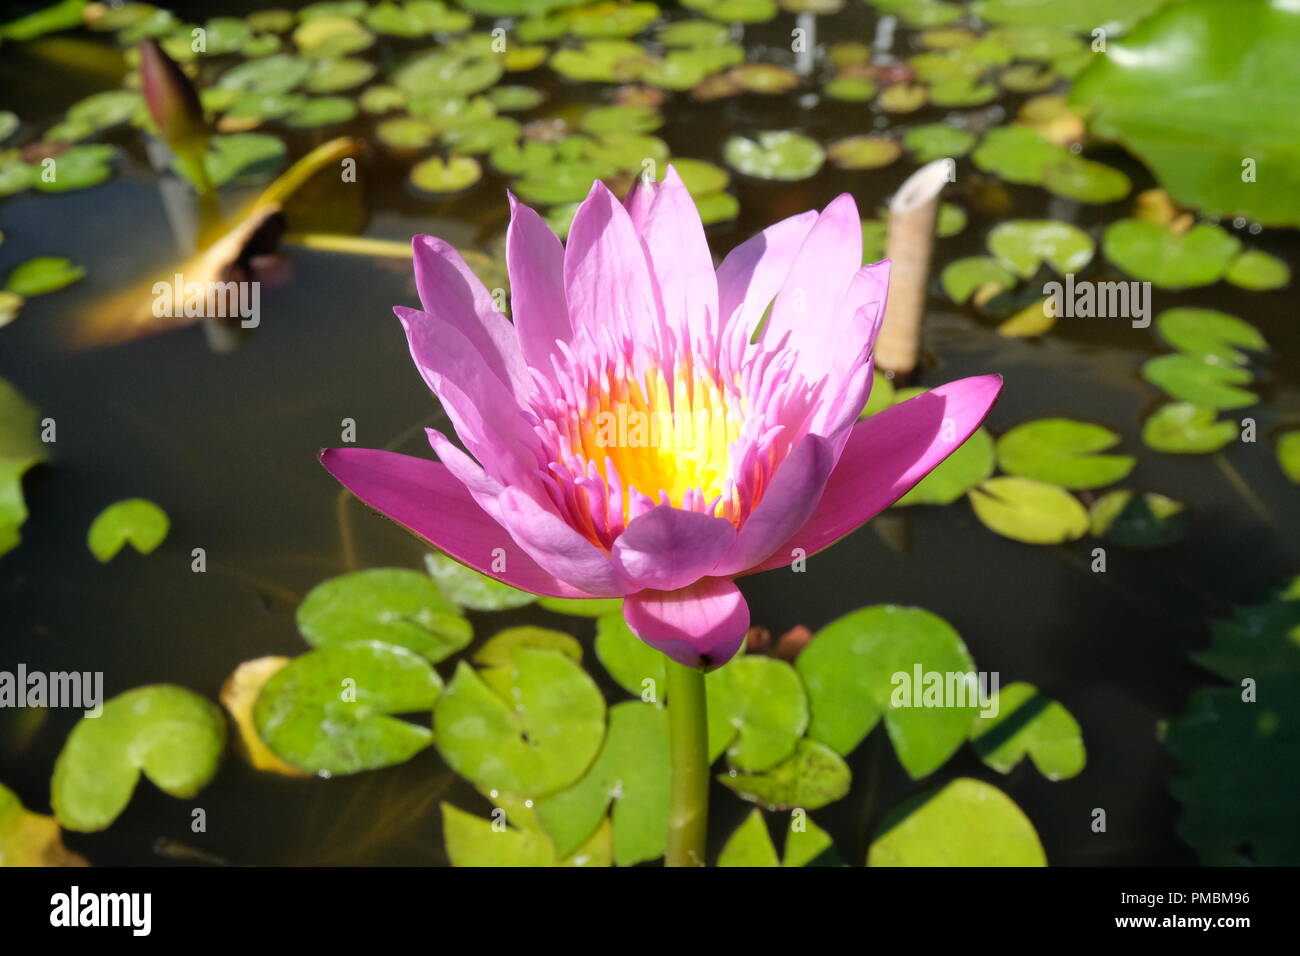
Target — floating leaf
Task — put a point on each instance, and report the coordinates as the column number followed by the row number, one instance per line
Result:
column 1200, row 380
column 438, row 175
column 280, row 73
column 329, row 36
column 498, row 651
column 243, row 156
column 406, row 132
column 904, row 98
column 1080, row 16
column 1029, row 511
column 813, row 776
column 472, row 589
column 1026, row 723
column 393, row 605
column 938, row 141
column 1033, row 319
column 633, row 771
column 515, row 98
column 328, row 711
column 1084, row 180
column 77, row 168
column 1258, row 271
column 1209, row 334
column 964, row 823
column 1288, row 455
column 863, row 666
column 1200, row 92
column 601, row 61
column 757, row 711
column 778, row 155
column 1061, row 451
column 539, row 738
column 1155, row 254
column 982, row 276
column 338, row 73
column 750, row 844
column 322, row 111
column 30, row 839
column 881, row 395
column 20, row 449
column 473, row 841
column 1018, row 154
column 42, row 275
column 238, row 695
column 1187, row 429
column 1134, row 520
column 134, row 520
column 630, row 661
column 1025, row 244
column 851, row 89
column 171, row 734
column 582, row 607
column 864, row 152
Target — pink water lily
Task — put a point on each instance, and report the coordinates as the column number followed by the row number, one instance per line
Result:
column 759, row 459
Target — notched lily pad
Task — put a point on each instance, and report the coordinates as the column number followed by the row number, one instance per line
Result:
column 813, row 776
column 777, row 155
column 135, row 520
column 1061, row 451
column 1030, row 511
column 1028, row 724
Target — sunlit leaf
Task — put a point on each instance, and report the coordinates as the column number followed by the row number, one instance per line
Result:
column 757, row 711
column 1028, row 724
column 1200, row 380
column 813, row 776
column 1025, row 244
column 1188, row 429
column 30, row 839
column 778, row 155
column 1134, row 520
column 136, row 521
column 1154, row 254
column 238, row 695
column 1029, row 511
column 473, row 841
column 42, row 275
column 1061, row 451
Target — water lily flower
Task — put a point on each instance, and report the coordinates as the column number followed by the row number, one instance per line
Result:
column 174, row 107
column 757, row 372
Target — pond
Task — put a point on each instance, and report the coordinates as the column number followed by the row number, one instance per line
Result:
column 222, row 431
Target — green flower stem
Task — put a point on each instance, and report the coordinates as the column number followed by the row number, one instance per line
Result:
column 688, row 733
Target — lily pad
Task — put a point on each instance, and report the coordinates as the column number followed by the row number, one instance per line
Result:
column 1200, row 380
column 172, row 735
column 1025, row 244
column 938, row 141
column 636, row 666
column 30, row 839
column 857, row 669
column 137, row 521
column 473, row 841
column 1133, row 520
column 448, row 73
column 20, row 449
column 1085, row 180
column 1152, row 253
column 329, row 711
column 964, row 823
column 472, row 589
column 1258, row 271
column 240, row 157
column 1288, row 455
column 399, row 607
column 1209, row 334
column 1183, row 428
column 633, row 772
column 42, row 275
column 1028, row 724
column 76, row 168
column 336, row 74
column 280, row 73
column 864, row 152
column 1060, row 451
column 601, row 61
column 582, row 607
column 537, row 739
column 1029, row 511
column 813, row 776
column 757, row 712
column 778, row 155
column 322, row 111
column 850, row 89
column 450, row 175
column 329, row 36
column 239, row 695
column 981, row 276
column 1017, row 154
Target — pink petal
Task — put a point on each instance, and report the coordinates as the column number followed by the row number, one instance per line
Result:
column 680, row 261
column 786, row 505
column 426, row 499
column 666, row 548
column 753, row 272
column 451, row 291
column 886, row 455
column 699, row 626
column 535, row 260
column 606, row 276
column 638, row 201
column 558, row 548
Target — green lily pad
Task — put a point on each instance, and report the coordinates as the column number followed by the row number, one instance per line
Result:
column 850, row 89
column 864, row 152
column 1183, row 428
column 693, row 33
column 1085, row 180
column 399, row 607
column 450, row 175
column 242, row 157
column 1200, row 380
column 409, row 133
column 950, row 221
column 1017, row 154
column 76, row 168
column 778, row 155
column 537, row 739
column 857, row 669
column 1233, row 753
column 30, row 839
column 330, row 710
column 382, row 98
column 621, row 119
column 417, row 18
column 757, row 712
column 964, row 823
column 966, row 277
column 42, row 275
column 1028, row 78
column 610, row 19
column 1201, row 92
column 734, row 11
column 171, row 734
column 265, row 106
column 717, row 207
column 1258, row 271
column 134, row 520
column 448, row 73
column 498, row 651
column 482, row 136
column 582, row 607
column 633, row 771
column 923, row 13
column 1152, row 253
column 1028, row 724
column 20, row 449
column 1133, row 520
column 751, row 844
column 101, row 111
column 281, row 73
column 813, row 776
column 962, row 91
column 329, row 36
column 938, row 141
column 961, row 471
column 15, row 175
column 322, row 111
column 601, row 61
column 628, row 659
column 336, row 74
column 1288, row 455
column 904, row 98
column 1025, row 244
column 1060, row 451
column 1079, row 16
column 515, row 99
column 1209, row 334
column 473, row 841
column 1029, row 511
column 699, row 177
column 472, row 589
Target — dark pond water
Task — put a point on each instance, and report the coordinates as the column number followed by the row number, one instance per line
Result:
column 227, row 444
